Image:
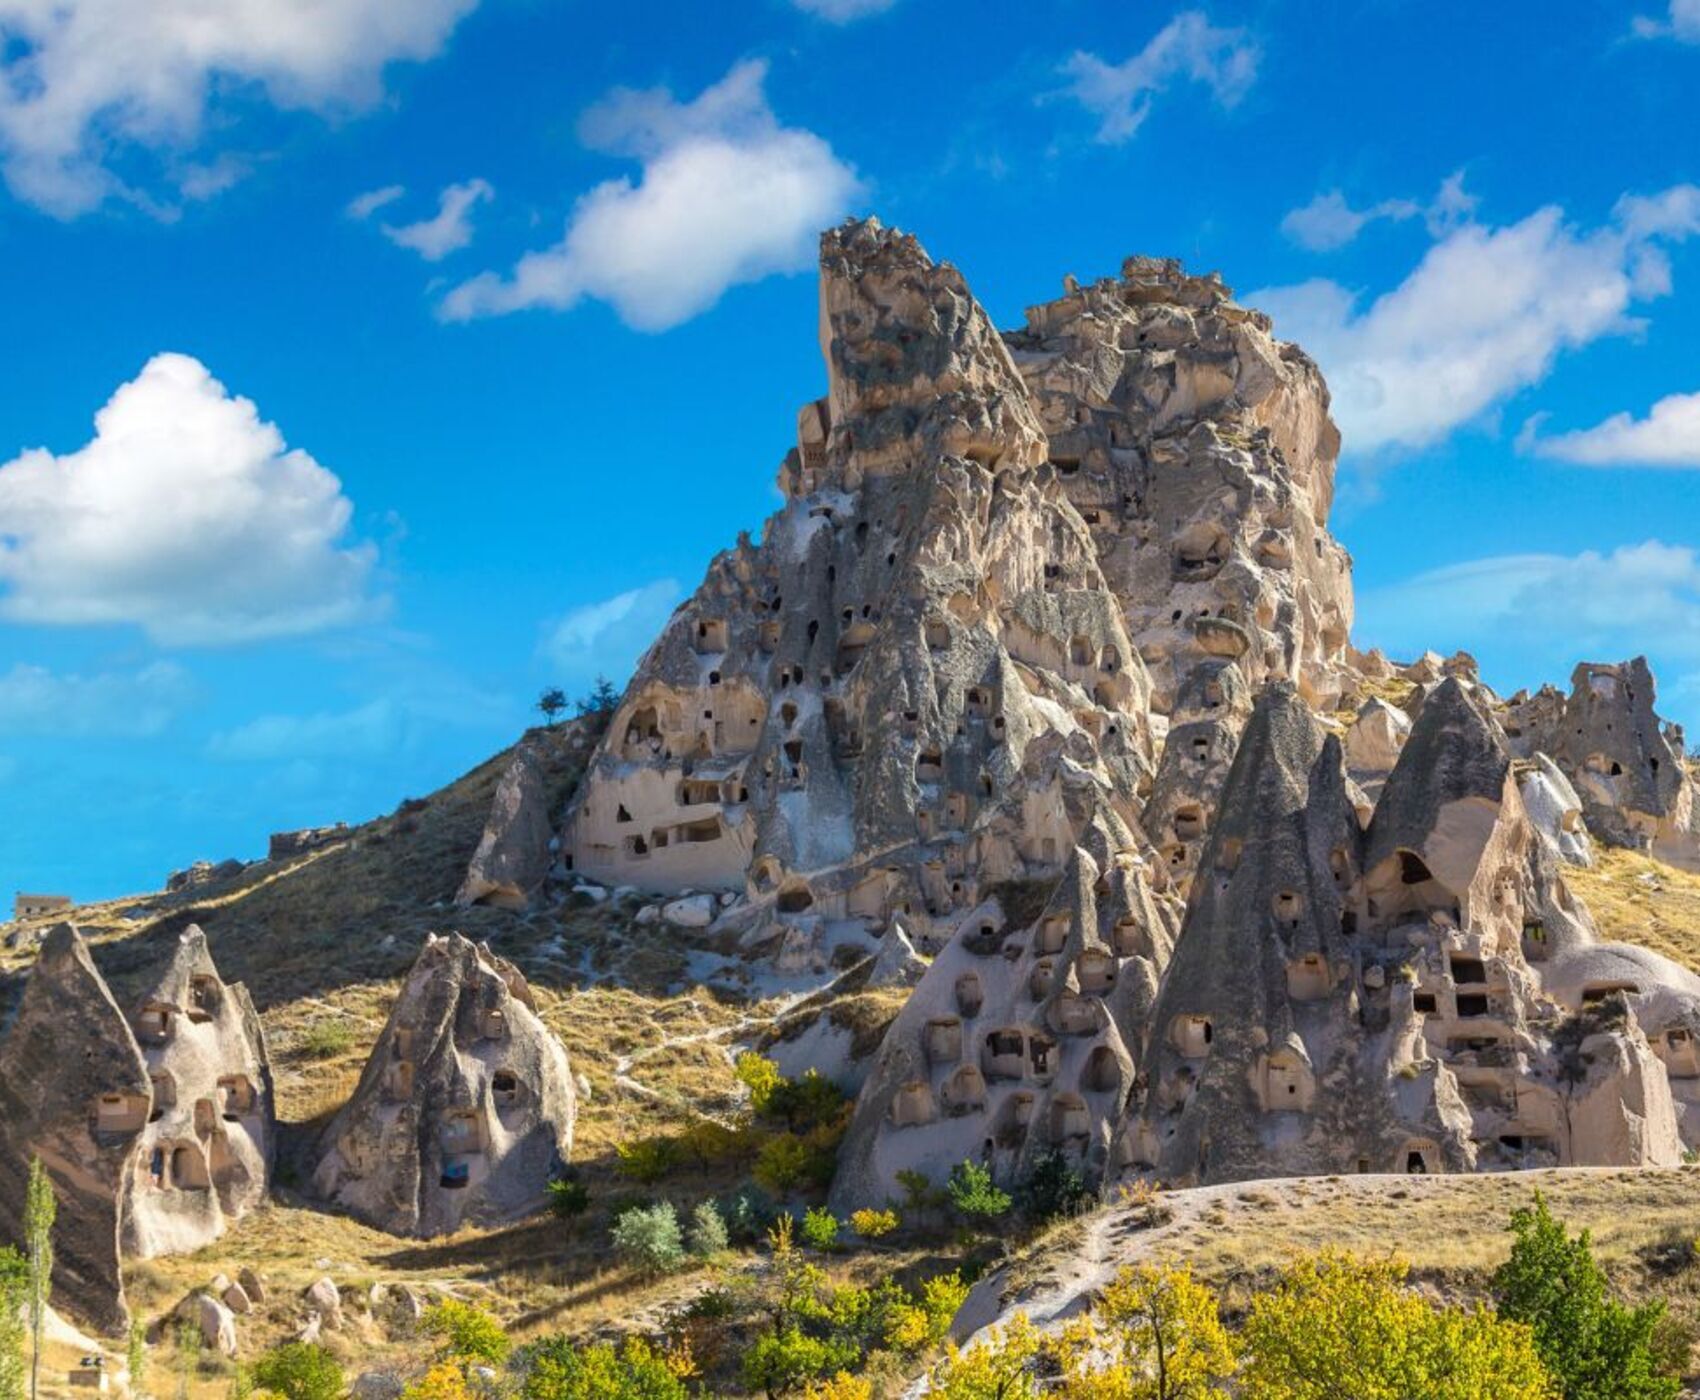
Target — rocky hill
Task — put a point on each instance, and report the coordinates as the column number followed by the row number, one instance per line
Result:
column 1021, row 781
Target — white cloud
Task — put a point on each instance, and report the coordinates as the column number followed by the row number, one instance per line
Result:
column 363, row 206
column 1484, row 314
column 1187, row 47
column 1669, row 436
column 450, row 229
column 843, row 11
column 1329, row 222
column 1637, row 598
column 90, row 86
column 1681, row 22
column 608, row 637
column 727, row 196
column 186, row 515
column 368, row 730
column 137, row 704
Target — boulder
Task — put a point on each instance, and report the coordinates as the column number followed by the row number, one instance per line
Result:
column 693, row 911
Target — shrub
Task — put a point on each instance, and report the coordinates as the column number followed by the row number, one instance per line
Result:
column 568, row 1198
column 563, row 1369
column 646, row 1160
column 840, row 1387
column 300, row 1371
column 782, row 1163
column 648, row 1238
column 926, row 1322
column 1054, row 1187
column 466, row 1333
column 1002, row 1365
column 873, row 1224
column 974, row 1195
column 760, row 1076
column 708, row 1230
column 820, row 1228
column 325, row 1039
column 1339, row 1326
column 780, row 1361
column 1595, row 1347
column 443, row 1381
column 748, row 1216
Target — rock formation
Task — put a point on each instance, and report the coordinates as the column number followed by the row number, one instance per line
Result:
column 919, row 683
column 206, row 1148
column 74, row 1091
column 155, row 1127
column 513, row 856
column 464, row 1112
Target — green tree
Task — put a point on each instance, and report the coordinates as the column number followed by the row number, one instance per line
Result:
column 1337, row 1326
column 999, row 1367
column 300, row 1371
column 781, row 1361
column 569, row 1198
column 14, row 1297
column 1054, row 1187
column 136, row 1357
column 560, row 1368
column 602, row 700
column 1595, row 1347
column 708, row 1230
column 40, row 1208
column 552, row 703
column 466, row 1334
column 648, row 1238
column 820, row 1228
column 974, row 1195
column 189, row 1343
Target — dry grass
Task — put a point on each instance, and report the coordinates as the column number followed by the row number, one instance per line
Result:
column 1635, row 899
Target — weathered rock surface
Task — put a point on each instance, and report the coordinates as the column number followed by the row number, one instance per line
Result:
column 513, row 856
column 465, row 1111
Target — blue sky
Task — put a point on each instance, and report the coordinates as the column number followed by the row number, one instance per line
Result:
column 437, row 347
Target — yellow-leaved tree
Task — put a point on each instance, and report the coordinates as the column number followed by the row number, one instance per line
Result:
column 999, row 1367
column 1156, row 1334
column 1335, row 1325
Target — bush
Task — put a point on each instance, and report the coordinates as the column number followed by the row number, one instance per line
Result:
column 974, row 1195
column 1002, row 1366
column 820, row 1228
column 840, row 1387
column 748, row 1216
column 300, row 1371
column 648, row 1238
column 443, row 1381
column 1054, row 1187
column 914, row 1326
column 873, row 1224
column 708, row 1230
column 1162, row 1334
column 1595, row 1347
column 760, row 1076
column 783, row 1163
column 563, row 1369
column 1338, row 1326
column 648, row 1159
column 568, row 1198
column 782, row 1361
column 325, row 1039
column 466, row 1333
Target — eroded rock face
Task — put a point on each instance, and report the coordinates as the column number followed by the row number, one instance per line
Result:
column 1024, row 1036
column 1556, row 810
column 205, row 1153
column 74, row 1091
column 1199, row 450
column 1628, row 766
column 919, row 683
column 513, row 856
column 464, row 1112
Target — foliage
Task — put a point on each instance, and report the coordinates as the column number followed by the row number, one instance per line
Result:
column 1162, row 1333
column 708, row 1230
column 189, row 1345
column 1595, row 1347
column 327, row 1038
column 648, row 1238
column 925, row 1322
column 135, row 1357
column 1338, row 1326
column 843, row 1386
column 602, row 700
column 300, row 1371
column 820, row 1228
column 974, row 1195
column 1001, row 1367
column 1054, row 1187
column 781, row 1361
column 783, row 1163
column 14, row 1295
column 552, row 703
column 466, row 1334
column 40, row 1208
column 760, row 1076
column 748, row 1215
column 568, row 1198
column 919, row 1193
column 648, row 1159
column 873, row 1224
column 563, row 1369
column 805, row 1104
column 443, row 1381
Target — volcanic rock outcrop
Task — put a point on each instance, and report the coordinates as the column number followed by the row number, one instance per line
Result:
column 464, row 1113
column 919, row 683
column 155, row 1127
